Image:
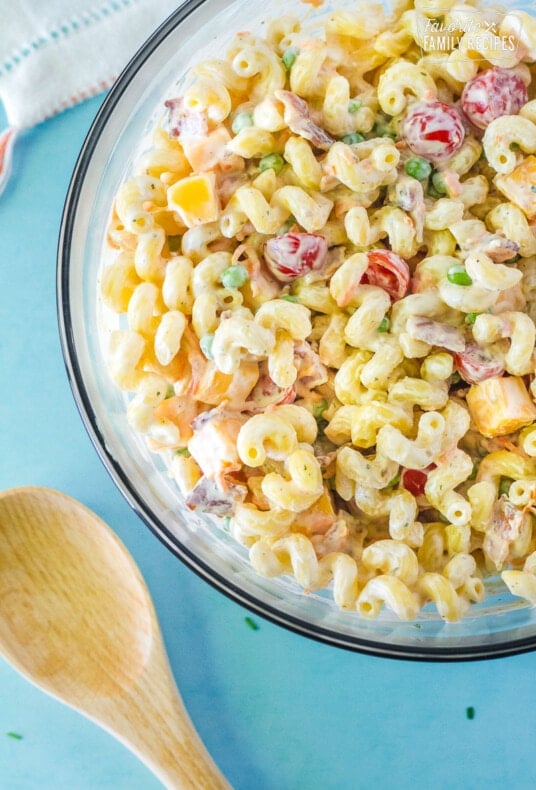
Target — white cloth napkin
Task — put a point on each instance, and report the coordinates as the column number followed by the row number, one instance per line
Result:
column 57, row 53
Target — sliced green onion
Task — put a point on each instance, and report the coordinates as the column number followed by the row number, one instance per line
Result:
column 174, row 243
column 384, row 326
column 15, row 735
column 504, row 485
column 352, row 139
column 319, row 409
column 474, row 473
column 394, row 482
column 271, row 162
column 170, row 392
column 206, row 344
column 458, row 276
column 286, row 226
column 241, row 121
column 515, row 147
column 439, row 184
column 184, row 451
column 470, row 712
column 289, row 56
column 235, row 276
column 418, row 168
column 354, row 105
column 251, row 623
column 470, row 318
column 289, row 298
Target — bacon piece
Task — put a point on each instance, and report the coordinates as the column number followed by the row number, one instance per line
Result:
column 181, row 122
column 298, row 119
column 475, row 363
column 311, row 370
column 436, row 333
column 506, row 525
column 266, row 393
column 207, row 497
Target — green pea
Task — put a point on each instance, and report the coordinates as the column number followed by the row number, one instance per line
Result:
column 384, row 326
column 353, row 138
column 381, row 129
column 271, row 162
column 241, row 121
column 458, row 276
column 289, row 56
column 354, row 105
column 235, row 276
column 418, row 168
column 439, row 184
column 206, row 345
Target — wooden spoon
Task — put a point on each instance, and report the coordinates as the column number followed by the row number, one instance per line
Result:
column 76, row 618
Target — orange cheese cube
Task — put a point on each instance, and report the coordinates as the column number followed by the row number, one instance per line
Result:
column 499, row 406
column 214, row 386
column 520, row 186
column 205, row 153
column 195, row 199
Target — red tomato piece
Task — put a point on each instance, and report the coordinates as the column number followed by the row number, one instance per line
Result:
column 389, row 271
column 475, row 364
column 491, row 94
column 414, row 480
column 292, row 255
column 433, row 130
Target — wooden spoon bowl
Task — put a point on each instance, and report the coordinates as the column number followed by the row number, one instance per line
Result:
column 77, row 620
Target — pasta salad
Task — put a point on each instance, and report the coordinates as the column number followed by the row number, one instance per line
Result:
column 324, row 269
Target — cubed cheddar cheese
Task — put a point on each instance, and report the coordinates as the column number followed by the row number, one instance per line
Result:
column 500, row 405
column 195, row 199
column 519, row 186
column 205, row 153
column 214, row 386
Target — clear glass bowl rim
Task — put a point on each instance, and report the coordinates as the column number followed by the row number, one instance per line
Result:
column 437, row 653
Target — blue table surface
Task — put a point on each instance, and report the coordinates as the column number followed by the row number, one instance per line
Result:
column 276, row 710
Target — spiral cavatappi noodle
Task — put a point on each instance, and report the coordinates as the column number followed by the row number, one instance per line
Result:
column 323, row 269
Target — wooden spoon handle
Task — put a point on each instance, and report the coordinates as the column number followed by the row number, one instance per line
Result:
column 153, row 723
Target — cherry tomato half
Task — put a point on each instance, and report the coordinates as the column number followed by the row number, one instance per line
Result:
column 292, row 255
column 491, row 94
column 389, row 271
column 433, row 130
column 414, row 480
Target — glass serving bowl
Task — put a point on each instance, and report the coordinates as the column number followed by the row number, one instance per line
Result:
column 501, row 625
